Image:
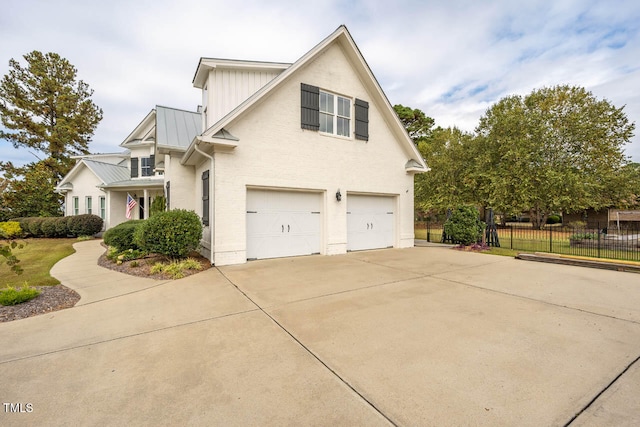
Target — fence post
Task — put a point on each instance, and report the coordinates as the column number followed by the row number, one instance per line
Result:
column 550, row 238
column 598, row 231
column 511, row 227
column 428, row 231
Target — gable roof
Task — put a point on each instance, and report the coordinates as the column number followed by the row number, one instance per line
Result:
column 142, row 132
column 169, row 128
column 106, row 173
column 175, row 129
column 343, row 37
column 207, row 64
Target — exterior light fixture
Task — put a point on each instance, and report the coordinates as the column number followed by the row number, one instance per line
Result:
column 338, row 195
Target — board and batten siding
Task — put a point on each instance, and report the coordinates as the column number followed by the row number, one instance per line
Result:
column 229, row 88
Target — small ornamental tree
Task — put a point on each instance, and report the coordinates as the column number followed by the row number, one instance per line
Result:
column 174, row 233
column 464, row 225
column 158, row 205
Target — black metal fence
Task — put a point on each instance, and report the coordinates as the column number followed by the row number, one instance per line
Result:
column 614, row 243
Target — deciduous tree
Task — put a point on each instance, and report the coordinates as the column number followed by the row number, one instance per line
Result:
column 556, row 149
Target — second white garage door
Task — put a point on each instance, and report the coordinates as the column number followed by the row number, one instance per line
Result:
column 370, row 222
column 282, row 223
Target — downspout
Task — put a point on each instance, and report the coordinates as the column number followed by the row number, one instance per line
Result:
column 211, row 198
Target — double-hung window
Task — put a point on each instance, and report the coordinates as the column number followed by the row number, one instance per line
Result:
column 76, row 205
column 145, row 166
column 103, row 207
column 335, row 114
column 88, row 205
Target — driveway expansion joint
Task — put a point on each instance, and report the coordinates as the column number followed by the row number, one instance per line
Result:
column 166, row 328
column 311, row 353
column 597, row 396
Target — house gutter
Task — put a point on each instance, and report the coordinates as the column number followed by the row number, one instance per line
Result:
column 211, row 198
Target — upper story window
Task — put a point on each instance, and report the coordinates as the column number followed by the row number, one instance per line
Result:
column 330, row 113
column 145, row 166
column 335, row 114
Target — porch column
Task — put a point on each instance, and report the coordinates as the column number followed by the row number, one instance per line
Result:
column 146, row 203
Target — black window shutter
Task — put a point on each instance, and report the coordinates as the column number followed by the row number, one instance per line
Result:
column 205, row 197
column 310, row 103
column 134, row 167
column 168, row 195
column 152, row 163
column 362, row 119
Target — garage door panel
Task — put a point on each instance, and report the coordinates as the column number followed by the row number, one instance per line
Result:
column 370, row 222
column 282, row 223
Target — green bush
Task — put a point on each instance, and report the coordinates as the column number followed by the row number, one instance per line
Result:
column 35, row 226
column 176, row 269
column 84, row 225
column 554, row 219
column 13, row 296
column 62, row 227
column 48, row 227
column 126, row 255
column 158, row 205
column 10, row 230
column 120, row 237
column 174, row 233
column 464, row 225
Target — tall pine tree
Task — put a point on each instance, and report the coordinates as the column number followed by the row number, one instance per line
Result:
column 45, row 109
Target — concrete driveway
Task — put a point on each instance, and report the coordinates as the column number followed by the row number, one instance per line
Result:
column 421, row 336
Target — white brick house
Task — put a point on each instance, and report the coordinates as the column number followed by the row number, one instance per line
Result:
column 292, row 159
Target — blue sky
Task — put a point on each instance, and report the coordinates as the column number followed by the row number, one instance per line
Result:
column 452, row 59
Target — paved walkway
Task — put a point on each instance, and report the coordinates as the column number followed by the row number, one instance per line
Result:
column 421, row 336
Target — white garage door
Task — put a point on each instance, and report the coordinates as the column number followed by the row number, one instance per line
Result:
column 370, row 222
column 282, row 223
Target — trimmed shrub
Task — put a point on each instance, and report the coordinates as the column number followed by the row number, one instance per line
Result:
column 174, row 233
column 84, row 225
column 464, row 225
column 62, row 229
column 10, row 230
column 48, row 227
column 35, row 226
column 13, row 296
column 120, row 237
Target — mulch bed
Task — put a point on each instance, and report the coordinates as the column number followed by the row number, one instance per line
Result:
column 142, row 267
column 53, row 298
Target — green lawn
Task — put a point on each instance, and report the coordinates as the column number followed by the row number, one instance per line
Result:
column 36, row 259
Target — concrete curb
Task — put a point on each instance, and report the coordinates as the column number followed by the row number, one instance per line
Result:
column 554, row 259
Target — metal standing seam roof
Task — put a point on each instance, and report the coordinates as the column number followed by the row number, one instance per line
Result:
column 108, row 172
column 176, row 128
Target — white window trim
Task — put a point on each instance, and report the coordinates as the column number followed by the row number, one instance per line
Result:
column 335, row 115
column 88, row 205
column 103, row 207
column 76, row 205
column 147, row 167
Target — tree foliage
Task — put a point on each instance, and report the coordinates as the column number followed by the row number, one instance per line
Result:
column 30, row 192
column 46, row 108
column 556, row 149
column 416, row 122
column 449, row 153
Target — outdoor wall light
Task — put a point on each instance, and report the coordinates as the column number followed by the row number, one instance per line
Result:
column 338, row 195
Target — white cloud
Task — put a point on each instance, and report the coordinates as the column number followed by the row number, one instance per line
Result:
column 450, row 59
